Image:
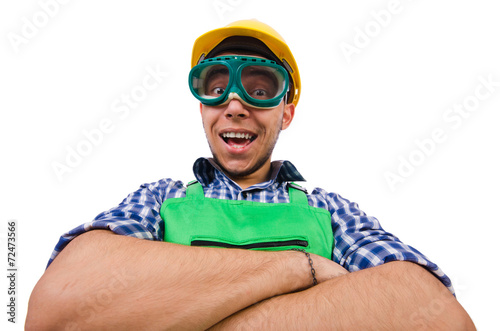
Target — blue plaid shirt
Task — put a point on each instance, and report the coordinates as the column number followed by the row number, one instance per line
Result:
column 360, row 241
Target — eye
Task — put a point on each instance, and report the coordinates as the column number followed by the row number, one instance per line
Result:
column 259, row 93
column 260, row 82
column 218, row 90
column 216, row 80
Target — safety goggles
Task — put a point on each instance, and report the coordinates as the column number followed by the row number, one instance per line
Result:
column 256, row 82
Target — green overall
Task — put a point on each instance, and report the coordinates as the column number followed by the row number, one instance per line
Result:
column 199, row 221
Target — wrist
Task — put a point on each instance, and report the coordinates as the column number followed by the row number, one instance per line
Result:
column 311, row 264
column 298, row 271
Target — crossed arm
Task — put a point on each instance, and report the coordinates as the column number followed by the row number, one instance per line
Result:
column 394, row 296
column 106, row 281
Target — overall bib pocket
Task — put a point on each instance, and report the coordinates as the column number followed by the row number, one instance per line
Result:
column 267, row 244
column 199, row 221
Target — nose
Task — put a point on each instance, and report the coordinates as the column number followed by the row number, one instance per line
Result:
column 235, row 109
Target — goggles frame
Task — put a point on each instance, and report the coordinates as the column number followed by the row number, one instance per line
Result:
column 235, row 65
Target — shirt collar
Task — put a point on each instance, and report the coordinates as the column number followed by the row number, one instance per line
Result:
column 282, row 171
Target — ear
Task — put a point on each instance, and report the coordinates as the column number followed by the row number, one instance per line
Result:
column 201, row 108
column 288, row 114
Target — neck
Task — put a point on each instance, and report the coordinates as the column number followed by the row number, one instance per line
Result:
column 261, row 175
column 245, row 180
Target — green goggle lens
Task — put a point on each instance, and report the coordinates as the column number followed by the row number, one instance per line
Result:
column 258, row 82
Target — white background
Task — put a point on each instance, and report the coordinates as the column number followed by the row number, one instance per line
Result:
column 354, row 122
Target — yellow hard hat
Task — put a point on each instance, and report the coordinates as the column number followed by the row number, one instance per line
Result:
column 272, row 40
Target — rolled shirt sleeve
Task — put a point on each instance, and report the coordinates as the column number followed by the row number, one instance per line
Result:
column 361, row 242
column 138, row 215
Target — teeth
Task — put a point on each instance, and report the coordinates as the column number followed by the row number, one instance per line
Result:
column 237, row 135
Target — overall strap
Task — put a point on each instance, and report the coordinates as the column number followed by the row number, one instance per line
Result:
column 194, row 190
column 295, row 192
column 297, row 195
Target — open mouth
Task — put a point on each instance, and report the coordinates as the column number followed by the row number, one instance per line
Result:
column 238, row 139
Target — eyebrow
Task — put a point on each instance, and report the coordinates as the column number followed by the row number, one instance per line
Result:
column 216, row 71
column 263, row 72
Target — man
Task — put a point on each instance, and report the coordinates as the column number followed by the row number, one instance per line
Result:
column 242, row 247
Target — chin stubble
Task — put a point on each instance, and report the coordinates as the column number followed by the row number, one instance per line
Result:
column 258, row 164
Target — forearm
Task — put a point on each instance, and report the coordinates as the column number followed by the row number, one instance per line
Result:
column 106, row 281
column 394, row 296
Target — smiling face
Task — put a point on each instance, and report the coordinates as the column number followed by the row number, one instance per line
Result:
column 242, row 138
